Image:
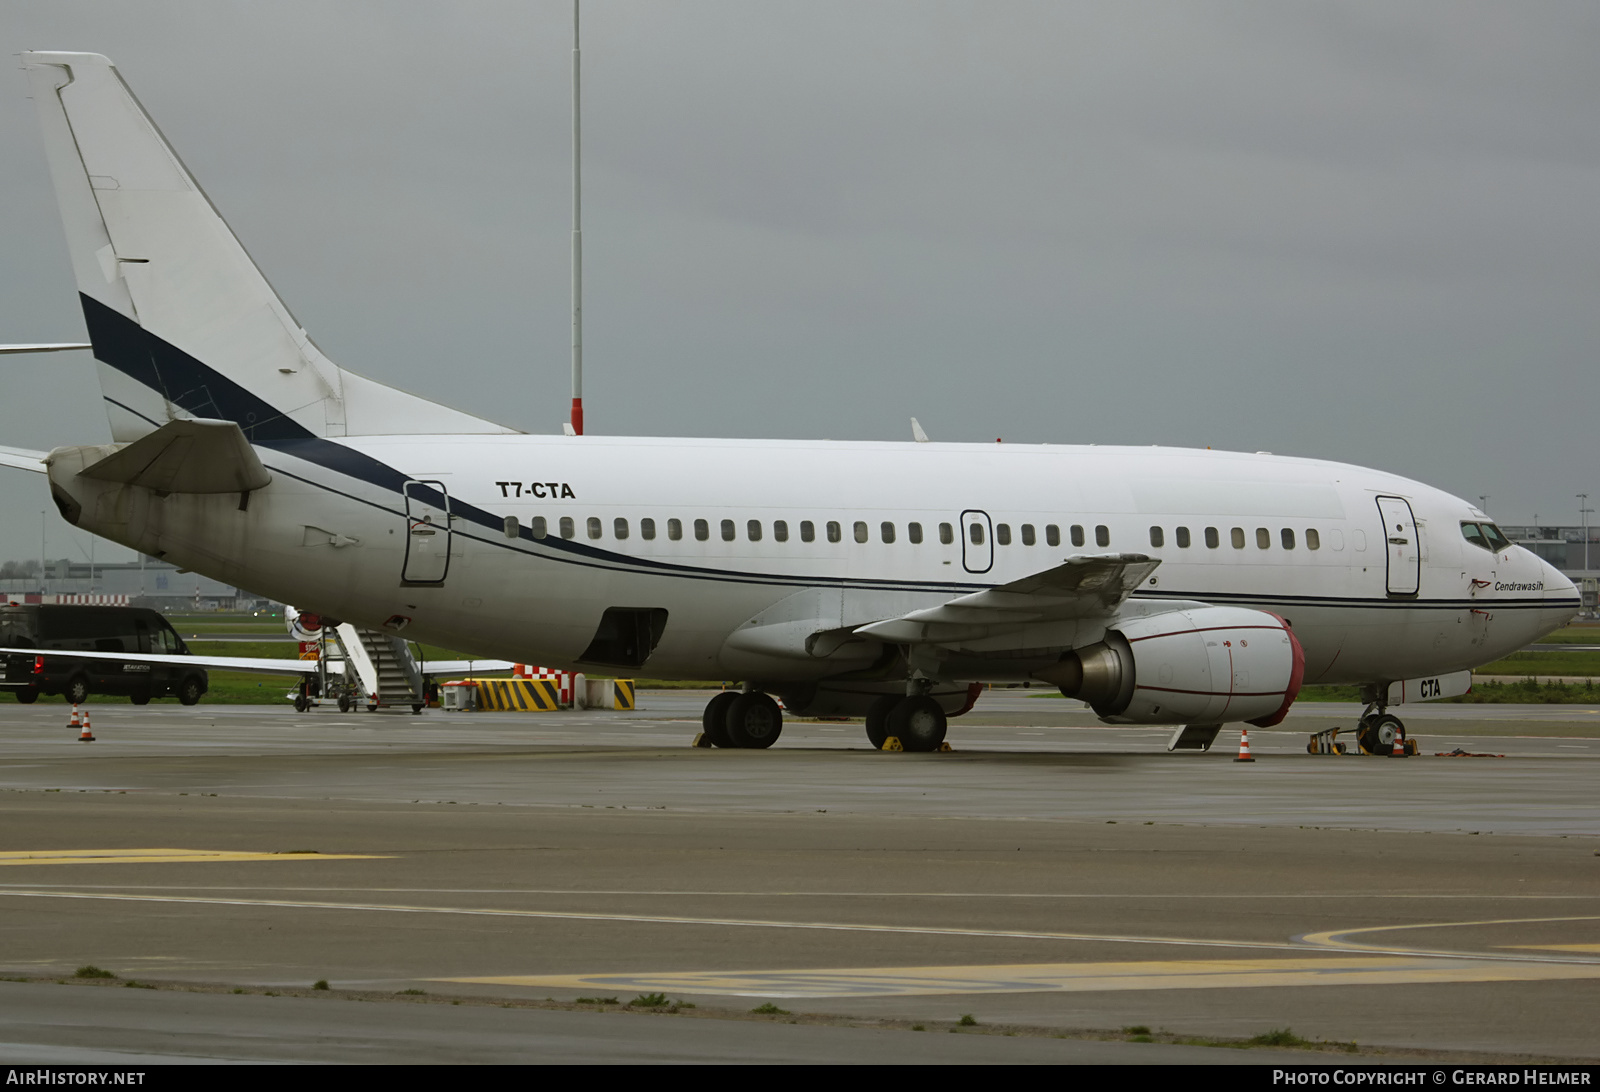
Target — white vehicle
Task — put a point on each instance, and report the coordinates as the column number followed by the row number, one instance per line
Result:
column 1162, row 586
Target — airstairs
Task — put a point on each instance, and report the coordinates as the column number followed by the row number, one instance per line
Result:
column 385, row 672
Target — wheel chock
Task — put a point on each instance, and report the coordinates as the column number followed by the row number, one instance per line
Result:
column 700, row 740
column 1325, row 743
column 892, row 744
column 1411, row 747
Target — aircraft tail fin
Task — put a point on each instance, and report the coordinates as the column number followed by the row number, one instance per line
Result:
column 182, row 322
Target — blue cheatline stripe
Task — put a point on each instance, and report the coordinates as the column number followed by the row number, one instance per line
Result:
column 202, row 390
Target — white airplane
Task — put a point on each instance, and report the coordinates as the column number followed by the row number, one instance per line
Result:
column 1161, row 586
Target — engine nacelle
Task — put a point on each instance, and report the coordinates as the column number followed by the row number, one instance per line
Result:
column 1205, row 666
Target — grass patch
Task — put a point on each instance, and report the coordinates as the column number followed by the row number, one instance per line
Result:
column 601, row 1000
column 1279, row 1037
column 769, row 1009
column 967, row 1021
column 89, row 970
column 320, row 984
column 1136, row 1029
column 649, row 1001
column 411, row 993
column 132, row 985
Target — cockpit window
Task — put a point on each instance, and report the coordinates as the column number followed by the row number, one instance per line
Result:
column 1485, row 536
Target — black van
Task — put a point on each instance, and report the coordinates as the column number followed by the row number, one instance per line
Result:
column 94, row 629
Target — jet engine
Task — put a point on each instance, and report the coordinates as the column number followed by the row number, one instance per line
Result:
column 1204, row 666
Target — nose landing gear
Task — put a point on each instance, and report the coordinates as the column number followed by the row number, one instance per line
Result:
column 1378, row 731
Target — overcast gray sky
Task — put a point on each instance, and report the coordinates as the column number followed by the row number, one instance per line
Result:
column 1358, row 231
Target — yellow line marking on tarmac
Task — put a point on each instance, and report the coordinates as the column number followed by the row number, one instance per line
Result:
column 1335, row 939
column 160, row 856
column 1058, row 977
column 1557, row 947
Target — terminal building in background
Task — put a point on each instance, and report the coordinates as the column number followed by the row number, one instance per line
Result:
column 143, row 583
column 1573, row 550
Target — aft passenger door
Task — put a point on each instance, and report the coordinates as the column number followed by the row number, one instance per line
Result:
column 1402, row 548
column 427, row 533
column 977, row 541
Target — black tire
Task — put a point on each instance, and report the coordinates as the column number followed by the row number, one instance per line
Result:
column 919, row 722
column 372, row 707
column 302, row 703
column 140, row 697
column 714, row 721
column 344, row 703
column 28, row 695
column 878, row 719
column 189, row 690
column 1378, row 734
column 754, row 721
column 77, row 691
column 416, row 709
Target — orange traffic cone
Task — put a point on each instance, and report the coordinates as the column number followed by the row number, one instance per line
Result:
column 85, row 736
column 1244, row 746
column 1399, row 748
column 74, row 722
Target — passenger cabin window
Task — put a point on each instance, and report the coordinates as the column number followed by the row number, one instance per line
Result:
column 1102, row 535
column 1157, row 538
column 780, row 530
column 675, row 529
column 1077, row 535
column 887, row 531
column 1052, row 535
column 1313, row 540
column 593, row 523
column 752, row 530
column 568, row 528
column 1213, row 540
column 860, row 530
column 808, row 531
column 1263, row 538
column 702, row 530
column 513, row 528
column 1002, row 534
column 647, row 529
column 835, row 532
column 1237, row 535
column 539, row 527
column 1287, row 534
column 1181, row 536
column 914, row 533
column 975, row 533
column 619, row 527
column 1027, row 534
column 947, row 534
column 727, row 530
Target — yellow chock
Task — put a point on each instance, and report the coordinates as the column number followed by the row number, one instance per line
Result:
column 892, row 744
column 944, row 747
column 1411, row 747
column 700, row 740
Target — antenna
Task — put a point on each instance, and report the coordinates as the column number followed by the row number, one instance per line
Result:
column 576, row 427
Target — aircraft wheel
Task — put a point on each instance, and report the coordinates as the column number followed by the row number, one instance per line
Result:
column 919, row 722
column 714, row 721
column 1378, row 734
column 754, row 721
column 878, row 719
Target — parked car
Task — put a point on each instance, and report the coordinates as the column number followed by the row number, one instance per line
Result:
column 51, row 628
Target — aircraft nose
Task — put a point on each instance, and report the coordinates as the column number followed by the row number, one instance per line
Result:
column 1560, row 594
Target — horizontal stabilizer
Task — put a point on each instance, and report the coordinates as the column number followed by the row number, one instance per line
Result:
column 186, row 457
column 1080, row 587
column 20, row 458
column 49, row 347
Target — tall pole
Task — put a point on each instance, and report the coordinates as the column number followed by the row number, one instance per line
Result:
column 577, row 233
column 42, row 525
column 1583, row 511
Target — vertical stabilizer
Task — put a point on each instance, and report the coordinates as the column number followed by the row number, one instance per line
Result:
column 183, row 323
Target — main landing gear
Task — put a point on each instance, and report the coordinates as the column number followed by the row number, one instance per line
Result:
column 750, row 720
column 917, row 721
column 1378, row 731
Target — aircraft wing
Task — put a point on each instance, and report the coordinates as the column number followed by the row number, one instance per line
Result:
column 186, row 456
column 1080, row 587
column 45, row 347
column 20, row 458
column 464, row 667
column 255, row 665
